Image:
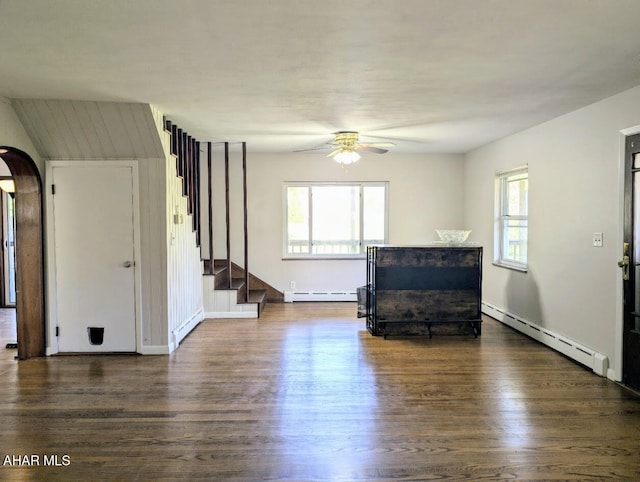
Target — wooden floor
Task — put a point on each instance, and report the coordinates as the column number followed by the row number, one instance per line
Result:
column 305, row 393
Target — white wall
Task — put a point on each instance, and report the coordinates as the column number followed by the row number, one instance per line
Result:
column 571, row 288
column 13, row 134
column 425, row 193
column 180, row 265
column 153, row 253
column 184, row 268
column 4, row 169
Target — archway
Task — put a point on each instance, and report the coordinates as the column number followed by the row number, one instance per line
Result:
column 29, row 253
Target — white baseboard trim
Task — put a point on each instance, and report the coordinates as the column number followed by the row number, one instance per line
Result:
column 155, row 350
column 320, row 295
column 230, row 314
column 597, row 362
column 183, row 330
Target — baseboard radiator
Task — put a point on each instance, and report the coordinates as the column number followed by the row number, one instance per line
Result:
column 178, row 334
column 320, row 295
column 597, row 362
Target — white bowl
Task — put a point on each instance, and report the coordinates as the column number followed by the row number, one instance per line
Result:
column 453, row 235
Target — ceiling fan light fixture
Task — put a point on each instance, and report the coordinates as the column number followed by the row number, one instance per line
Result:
column 346, row 157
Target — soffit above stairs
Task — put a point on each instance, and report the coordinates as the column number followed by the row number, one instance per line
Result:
column 64, row 129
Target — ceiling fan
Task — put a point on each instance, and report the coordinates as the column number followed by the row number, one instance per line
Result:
column 346, row 144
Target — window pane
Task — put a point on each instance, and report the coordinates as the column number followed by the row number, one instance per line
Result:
column 297, row 220
column 517, row 188
column 373, row 208
column 327, row 220
column 512, row 210
column 515, row 240
column 336, row 219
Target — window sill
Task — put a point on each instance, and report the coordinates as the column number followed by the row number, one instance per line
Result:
column 511, row 266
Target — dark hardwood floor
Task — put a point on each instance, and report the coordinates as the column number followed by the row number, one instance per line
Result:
column 305, row 393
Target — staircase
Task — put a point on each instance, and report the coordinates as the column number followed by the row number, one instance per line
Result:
column 230, row 291
column 256, row 296
column 226, row 297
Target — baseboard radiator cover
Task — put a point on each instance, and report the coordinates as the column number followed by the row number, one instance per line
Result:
column 185, row 328
column 320, row 295
column 597, row 362
column 217, row 315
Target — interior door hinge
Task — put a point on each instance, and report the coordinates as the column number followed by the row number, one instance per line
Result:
column 57, row 331
column 53, row 189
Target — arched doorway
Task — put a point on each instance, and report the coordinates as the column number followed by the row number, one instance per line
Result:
column 29, row 253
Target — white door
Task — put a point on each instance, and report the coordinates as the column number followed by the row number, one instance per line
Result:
column 94, row 258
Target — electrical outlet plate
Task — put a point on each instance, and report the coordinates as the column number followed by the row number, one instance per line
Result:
column 597, row 240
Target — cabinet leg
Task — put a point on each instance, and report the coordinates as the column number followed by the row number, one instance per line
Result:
column 475, row 329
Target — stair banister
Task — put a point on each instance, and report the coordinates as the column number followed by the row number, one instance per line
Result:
column 227, row 209
column 246, row 235
column 197, row 188
column 210, row 202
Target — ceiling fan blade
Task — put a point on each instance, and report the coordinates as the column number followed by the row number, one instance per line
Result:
column 313, row 149
column 348, row 141
column 401, row 139
column 379, row 144
column 327, row 145
column 370, row 148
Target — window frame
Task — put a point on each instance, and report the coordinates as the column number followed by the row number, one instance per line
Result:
column 310, row 184
column 502, row 216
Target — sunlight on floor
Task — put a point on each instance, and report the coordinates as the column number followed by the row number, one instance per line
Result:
column 327, row 383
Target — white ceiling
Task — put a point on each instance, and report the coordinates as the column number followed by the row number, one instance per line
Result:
column 434, row 75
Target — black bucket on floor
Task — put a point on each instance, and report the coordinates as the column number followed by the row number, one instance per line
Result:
column 96, row 335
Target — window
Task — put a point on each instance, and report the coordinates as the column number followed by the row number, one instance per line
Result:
column 334, row 220
column 511, row 229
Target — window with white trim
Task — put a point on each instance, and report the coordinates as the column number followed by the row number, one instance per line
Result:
column 512, row 222
column 333, row 220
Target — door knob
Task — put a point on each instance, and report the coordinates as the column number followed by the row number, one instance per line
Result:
column 624, row 262
column 127, row 264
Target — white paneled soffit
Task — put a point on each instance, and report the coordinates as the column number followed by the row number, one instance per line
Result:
column 65, row 129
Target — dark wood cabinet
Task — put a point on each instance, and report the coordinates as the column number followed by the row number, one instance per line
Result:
column 422, row 290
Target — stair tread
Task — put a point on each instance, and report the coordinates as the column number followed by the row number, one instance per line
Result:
column 213, row 271
column 257, row 296
column 237, row 283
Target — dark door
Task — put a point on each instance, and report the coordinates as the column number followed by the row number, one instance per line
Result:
column 630, row 264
